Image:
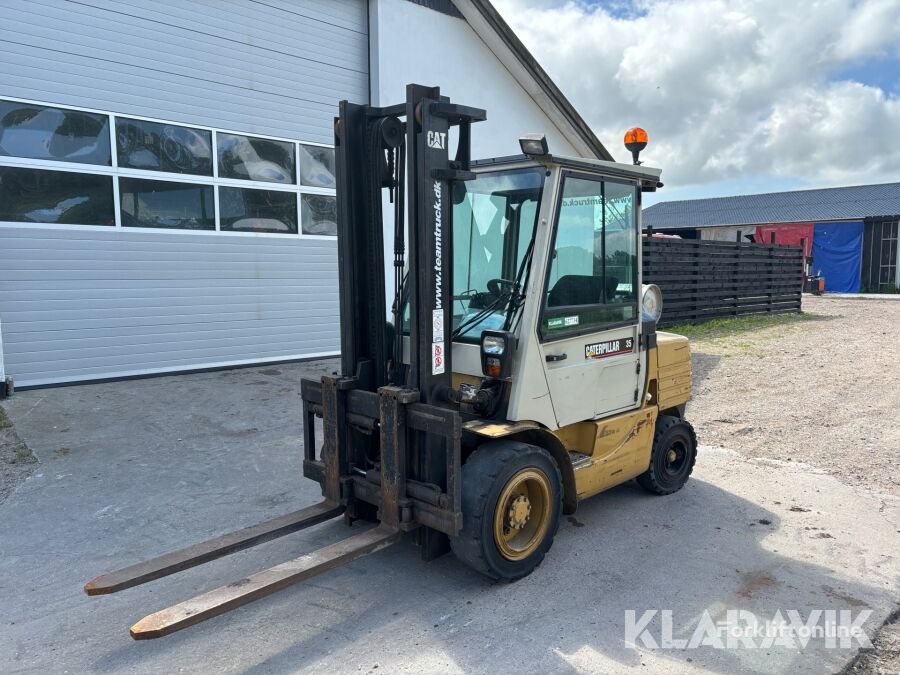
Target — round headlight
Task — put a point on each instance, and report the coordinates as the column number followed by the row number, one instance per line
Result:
column 651, row 302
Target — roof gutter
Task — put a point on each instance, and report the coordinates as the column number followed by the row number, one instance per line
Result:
column 489, row 25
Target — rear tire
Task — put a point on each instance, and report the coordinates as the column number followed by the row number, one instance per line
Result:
column 672, row 458
column 511, row 504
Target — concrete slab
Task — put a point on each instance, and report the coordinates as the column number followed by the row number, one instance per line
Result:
column 132, row 469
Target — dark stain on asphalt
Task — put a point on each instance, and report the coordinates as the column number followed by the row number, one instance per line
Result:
column 752, row 582
column 840, row 595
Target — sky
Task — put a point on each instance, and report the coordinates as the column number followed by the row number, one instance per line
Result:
column 738, row 96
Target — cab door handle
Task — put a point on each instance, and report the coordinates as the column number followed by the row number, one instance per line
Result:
column 556, row 357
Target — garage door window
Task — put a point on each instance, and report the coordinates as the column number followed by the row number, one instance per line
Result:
column 163, row 147
column 246, row 210
column 159, row 203
column 82, row 168
column 319, row 214
column 42, row 132
column 60, row 197
column 317, row 166
column 259, row 159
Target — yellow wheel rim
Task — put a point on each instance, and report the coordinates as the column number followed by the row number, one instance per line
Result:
column 522, row 514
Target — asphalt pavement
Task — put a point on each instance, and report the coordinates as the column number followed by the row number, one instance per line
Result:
column 132, row 469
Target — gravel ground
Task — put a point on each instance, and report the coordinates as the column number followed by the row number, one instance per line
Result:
column 16, row 460
column 885, row 658
column 821, row 390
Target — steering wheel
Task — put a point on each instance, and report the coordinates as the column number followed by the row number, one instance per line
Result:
column 500, row 287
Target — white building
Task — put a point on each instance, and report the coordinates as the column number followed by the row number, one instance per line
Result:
column 166, row 171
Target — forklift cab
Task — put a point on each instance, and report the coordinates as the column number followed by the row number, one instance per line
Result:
column 547, row 265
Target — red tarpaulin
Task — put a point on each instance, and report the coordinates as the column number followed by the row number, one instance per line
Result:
column 787, row 234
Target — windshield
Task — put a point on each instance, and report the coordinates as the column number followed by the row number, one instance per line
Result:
column 494, row 218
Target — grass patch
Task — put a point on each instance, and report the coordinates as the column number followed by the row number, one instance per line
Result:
column 723, row 328
column 23, row 453
column 5, row 422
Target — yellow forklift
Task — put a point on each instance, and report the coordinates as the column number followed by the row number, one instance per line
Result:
column 517, row 371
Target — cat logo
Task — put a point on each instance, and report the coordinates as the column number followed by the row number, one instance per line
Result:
column 437, row 140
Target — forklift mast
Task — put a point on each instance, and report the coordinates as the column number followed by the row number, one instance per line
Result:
column 391, row 444
column 401, row 151
column 377, row 151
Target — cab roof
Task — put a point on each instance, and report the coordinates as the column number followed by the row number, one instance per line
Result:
column 647, row 176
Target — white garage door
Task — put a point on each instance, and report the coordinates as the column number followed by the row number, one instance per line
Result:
column 166, row 182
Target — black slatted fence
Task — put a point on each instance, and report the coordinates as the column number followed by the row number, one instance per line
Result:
column 703, row 280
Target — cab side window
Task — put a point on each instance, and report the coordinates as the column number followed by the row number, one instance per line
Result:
column 593, row 269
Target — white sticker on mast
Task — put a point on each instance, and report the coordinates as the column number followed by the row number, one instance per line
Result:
column 437, row 358
column 437, row 344
column 437, row 325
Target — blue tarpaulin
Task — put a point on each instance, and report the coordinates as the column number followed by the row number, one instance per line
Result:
column 837, row 252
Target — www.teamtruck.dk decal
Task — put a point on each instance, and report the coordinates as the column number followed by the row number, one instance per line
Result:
column 601, row 350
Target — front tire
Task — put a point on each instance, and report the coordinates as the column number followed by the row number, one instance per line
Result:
column 511, row 503
column 672, row 458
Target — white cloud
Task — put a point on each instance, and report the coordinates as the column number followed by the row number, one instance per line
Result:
column 873, row 28
column 728, row 88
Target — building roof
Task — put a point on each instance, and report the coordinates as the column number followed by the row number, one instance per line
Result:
column 489, row 26
column 797, row 206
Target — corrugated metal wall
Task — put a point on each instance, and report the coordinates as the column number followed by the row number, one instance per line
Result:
column 80, row 304
column 276, row 67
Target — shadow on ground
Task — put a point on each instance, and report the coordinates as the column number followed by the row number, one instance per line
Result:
column 702, row 365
